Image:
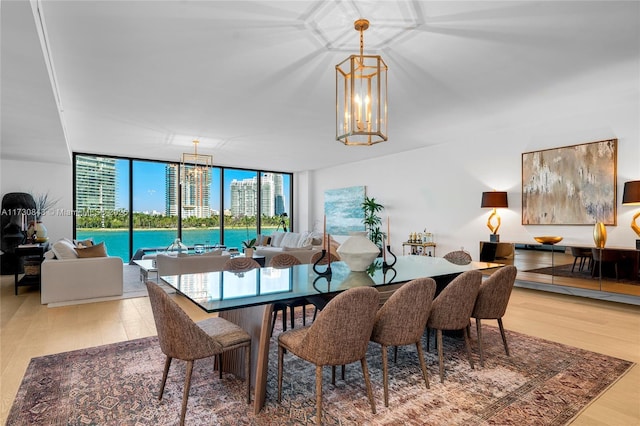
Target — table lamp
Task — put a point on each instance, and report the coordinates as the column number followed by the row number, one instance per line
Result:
column 494, row 200
column 631, row 196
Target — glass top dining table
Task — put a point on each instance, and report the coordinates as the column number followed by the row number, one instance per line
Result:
column 224, row 290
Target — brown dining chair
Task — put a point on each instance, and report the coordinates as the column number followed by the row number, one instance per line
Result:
column 286, row 260
column 602, row 257
column 458, row 257
column 240, row 264
column 451, row 310
column 401, row 321
column 340, row 335
column 323, row 260
column 182, row 338
column 492, row 300
column 581, row 256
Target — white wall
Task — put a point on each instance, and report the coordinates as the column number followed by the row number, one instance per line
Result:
column 439, row 188
column 41, row 178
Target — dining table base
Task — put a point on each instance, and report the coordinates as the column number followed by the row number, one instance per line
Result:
column 255, row 320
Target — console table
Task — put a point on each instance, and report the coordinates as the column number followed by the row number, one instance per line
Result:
column 29, row 251
column 424, row 249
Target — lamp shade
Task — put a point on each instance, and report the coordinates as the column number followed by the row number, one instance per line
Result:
column 631, row 194
column 494, row 199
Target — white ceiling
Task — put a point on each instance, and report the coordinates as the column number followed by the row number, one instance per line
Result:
column 255, row 80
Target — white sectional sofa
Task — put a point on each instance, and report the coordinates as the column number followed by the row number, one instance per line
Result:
column 301, row 245
column 190, row 264
column 69, row 278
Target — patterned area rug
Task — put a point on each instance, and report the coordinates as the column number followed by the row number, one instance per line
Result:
column 542, row 383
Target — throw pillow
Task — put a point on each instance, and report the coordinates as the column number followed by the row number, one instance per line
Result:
column 290, row 239
column 263, row 240
column 305, row 240
column 63, row 249
column 97, row 250
column 83, row 243
column 276, row 239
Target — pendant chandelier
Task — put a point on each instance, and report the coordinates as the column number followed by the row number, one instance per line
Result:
column 195, row 182
column 361, row 96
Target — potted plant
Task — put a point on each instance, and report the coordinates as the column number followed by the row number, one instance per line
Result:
column 372, row 220
column 37, row 230
column 249, row 246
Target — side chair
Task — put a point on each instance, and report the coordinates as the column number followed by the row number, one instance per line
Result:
column 286, row 260
column 451, row 310
column 320, row 301
column 340, row 335
column 401, row 321
column 492, row 300
column 182, row 338
column 458, row 257
column 240, row 264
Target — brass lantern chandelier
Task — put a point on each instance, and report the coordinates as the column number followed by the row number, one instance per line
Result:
column 361, row 96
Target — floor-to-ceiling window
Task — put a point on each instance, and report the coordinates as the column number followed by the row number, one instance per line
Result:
column 240, row 206
column 155, row 219
column 134, row 204
column 275, row 201
column 102, row 202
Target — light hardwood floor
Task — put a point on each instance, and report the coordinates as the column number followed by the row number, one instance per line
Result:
column 29, row 329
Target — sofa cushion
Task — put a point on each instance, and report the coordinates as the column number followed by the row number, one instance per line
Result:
column 290, row 239
column 287, row 248
column 97, row 250
column 276, row 239
column 64, row 249
column 305, row 240
column 216, row 252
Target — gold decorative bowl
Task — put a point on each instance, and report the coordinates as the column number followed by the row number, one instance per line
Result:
column 548, row 239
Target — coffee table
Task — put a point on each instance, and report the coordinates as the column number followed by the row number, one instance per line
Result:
column 146, row 266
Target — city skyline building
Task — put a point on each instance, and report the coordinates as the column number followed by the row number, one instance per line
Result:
column 95, row 184
column 196, row 191
column 244, row 196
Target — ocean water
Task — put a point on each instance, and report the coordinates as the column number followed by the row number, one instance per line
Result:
column 117, row 241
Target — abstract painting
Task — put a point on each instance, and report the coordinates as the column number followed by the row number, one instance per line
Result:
column 343, row 210
column 571, row 185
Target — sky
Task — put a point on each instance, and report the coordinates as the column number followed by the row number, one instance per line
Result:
column 149, row 185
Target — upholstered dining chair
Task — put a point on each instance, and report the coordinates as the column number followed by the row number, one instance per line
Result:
column 492, row 300
column 286, row 260
column 182, row 338
column 581, row 256
column 240, row 264
column 401, row 321
column 320, row 301
column 451, row 310
column 458, row 257
column 325, row 259
column 340, row 335
column 602, row 256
